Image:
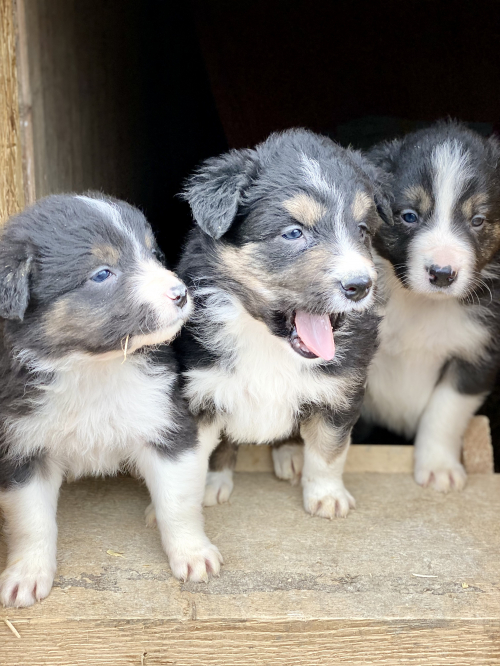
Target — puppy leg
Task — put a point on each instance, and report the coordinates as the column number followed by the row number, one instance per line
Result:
column 439, row 438
column 219, row 485
column 288, row 460
column 30, row 524
column 176, row 485
column 325, row 451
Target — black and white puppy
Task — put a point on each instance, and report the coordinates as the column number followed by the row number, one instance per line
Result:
column 440, row 277
column 280, row 269
column 88, row 385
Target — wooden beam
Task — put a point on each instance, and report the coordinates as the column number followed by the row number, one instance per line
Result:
column 11, row 173
column 477, row 454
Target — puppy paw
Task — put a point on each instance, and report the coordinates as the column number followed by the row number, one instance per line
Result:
column 195, row 561
column 218, row 487
column 288, row 460
column 150, row 515
column 441, row 477
column 25, row 582
column 327, row 499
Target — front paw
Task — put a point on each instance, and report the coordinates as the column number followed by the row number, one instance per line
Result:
column 327, row 499
column 195, row 561
column 442, row 476
column 26, row 581
column 288, row 460
column 218, row 487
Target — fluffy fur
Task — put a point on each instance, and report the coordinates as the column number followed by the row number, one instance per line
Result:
column 250, row 271
column 439, row 271
column 88, row 384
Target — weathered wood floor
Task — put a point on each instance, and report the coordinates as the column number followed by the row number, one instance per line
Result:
column 410, row 577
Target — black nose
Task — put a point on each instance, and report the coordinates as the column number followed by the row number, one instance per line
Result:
column 180, row 295
column 357, row 287
column 441, row 276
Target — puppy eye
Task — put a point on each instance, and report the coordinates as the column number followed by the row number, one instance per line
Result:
column 292, row 234
column 101, row 275
column 409, row 216
column 477, row 221
column 363, row 230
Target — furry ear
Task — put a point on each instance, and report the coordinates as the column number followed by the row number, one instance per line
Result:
column 381, row 184
column 383, row 155
column 216, row 190
column 15, row 272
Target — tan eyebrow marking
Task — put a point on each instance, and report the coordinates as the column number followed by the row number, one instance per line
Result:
column 361, row 205
column 106, row 253
column 419, row 198
column 475, row 204
column 304, row 209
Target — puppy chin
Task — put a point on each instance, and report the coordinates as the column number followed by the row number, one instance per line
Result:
column 161, row 336
column 168, row 327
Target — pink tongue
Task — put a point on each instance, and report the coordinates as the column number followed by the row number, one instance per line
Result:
column 316, row 333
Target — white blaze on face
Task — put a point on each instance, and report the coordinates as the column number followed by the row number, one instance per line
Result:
column 348, row 263
column 155, row 286
column 441, row 245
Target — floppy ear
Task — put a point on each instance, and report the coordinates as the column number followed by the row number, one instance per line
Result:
column 381, row 185
column 15, row 269
column 383, row 155
column 216, row 190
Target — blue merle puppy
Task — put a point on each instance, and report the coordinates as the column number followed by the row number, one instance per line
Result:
column 89, row 385
column 281, row 271
column 440, row 280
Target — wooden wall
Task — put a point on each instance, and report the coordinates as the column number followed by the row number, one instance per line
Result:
column 81, row 95
column 11, row 178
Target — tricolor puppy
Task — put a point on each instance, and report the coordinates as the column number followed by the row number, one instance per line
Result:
column 440, row 277
column 281, row 272
column 88, row 385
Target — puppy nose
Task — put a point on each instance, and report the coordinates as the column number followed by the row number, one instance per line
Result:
column 178, row 295
column 441, row 276
column 356, row 287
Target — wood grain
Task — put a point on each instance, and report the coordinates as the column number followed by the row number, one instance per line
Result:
column 411, row 576
column 249, row 643
column 81, row 95
column 11, row 178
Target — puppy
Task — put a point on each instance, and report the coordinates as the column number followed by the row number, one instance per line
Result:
column 440, row 277
column 282, row 276
column 88, row 385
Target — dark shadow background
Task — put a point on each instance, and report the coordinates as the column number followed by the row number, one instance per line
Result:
column 222, row 74
column 142, row 92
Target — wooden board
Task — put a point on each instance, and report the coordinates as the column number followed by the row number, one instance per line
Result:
column 410, row 577
column 477, row 454
column 80, row 96
column 11, row 178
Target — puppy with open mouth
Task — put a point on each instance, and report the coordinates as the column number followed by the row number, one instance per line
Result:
column 89, row 385
column 440, row 280
column 281, row 272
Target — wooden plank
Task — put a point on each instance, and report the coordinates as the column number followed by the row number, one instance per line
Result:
column 25, row 103
column 81, row 95
column 11, row 178
column 411, row 576
column 477, row 454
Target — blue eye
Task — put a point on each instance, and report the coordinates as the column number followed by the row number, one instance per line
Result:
column 101, row 275
column 292, row 234
column 409, row 216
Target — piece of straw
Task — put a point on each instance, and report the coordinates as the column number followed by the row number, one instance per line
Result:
column 125, row 349
column 12, row 628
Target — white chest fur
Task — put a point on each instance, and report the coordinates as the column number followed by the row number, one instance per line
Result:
column 417, row 336
column 96, row 413
column 260, row 394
